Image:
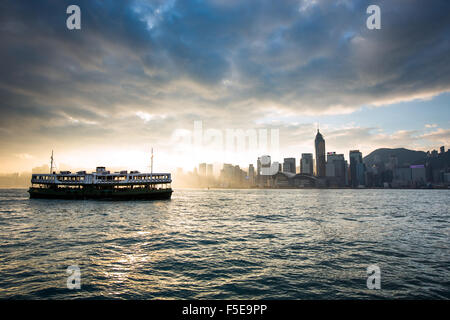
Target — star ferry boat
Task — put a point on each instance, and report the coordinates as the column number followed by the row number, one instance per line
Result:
column 101, row 185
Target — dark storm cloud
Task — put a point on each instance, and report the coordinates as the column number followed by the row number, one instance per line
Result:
column 219, row 59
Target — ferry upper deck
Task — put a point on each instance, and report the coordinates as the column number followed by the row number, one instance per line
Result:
column 101, row 177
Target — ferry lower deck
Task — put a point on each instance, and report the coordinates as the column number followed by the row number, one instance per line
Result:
column 110, row 193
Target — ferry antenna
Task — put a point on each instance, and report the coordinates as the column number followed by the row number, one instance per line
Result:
column 151, row 166
column 51, row 163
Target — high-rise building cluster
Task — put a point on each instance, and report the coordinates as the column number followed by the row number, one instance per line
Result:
column 328, row 170
column 325, row 170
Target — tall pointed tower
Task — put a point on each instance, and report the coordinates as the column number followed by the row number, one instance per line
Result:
column 320, row 155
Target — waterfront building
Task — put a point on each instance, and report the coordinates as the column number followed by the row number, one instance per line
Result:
column 303, row 181
column 258, row 167
column 291, row 180
column 330, row 170
column 437, row 164
column 320, row 155
column 289, row 165
column 202, row 169
column 361, row 174
column 251, row 175
column 209, row 170
column 281, row 180
column 226, row 173
column 447, row 177
column 357, row 169
column 336, row 169
column 418, row 174
column 239, row 176
column 402, row 177
column 232, row 176
column 307, row 164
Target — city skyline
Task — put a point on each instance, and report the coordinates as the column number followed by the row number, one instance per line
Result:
column 138, row 71
column 384, row 168
column 311, row 164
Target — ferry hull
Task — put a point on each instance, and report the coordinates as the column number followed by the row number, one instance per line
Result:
column 76, row 194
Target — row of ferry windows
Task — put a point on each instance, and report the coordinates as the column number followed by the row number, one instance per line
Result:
column 102, row 178
column 121, row 178
column 61, row 178
column 49, row 178
column 153, row 186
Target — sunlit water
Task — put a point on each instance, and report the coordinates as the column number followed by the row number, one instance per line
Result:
column 228, row 244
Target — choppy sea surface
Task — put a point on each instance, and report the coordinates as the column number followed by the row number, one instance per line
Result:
column 229, row 244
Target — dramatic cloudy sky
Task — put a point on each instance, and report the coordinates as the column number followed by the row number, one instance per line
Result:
column 139, row 73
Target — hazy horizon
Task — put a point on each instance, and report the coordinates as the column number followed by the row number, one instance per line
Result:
column 217, row 165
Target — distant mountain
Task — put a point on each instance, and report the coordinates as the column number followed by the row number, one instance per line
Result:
column 404, row 156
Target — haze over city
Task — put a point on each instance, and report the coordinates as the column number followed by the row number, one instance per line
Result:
column 138, row 71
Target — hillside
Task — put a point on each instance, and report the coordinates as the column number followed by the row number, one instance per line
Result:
column 404, row 156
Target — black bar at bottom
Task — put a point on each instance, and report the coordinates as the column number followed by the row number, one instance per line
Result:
column 218, row 309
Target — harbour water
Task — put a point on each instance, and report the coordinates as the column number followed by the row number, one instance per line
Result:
column 229, row 244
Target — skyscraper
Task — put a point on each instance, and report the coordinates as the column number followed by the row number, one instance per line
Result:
column 357, row 169
column 258, row 167
column 320, row 155
column 202, row 169
column 251, row 174
column 330, row 167
column 307, row 164
column 209, row 170
column 336, row 168
column 289, row 165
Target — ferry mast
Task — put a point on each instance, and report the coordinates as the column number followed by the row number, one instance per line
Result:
column 51, row 163
column 151, row 164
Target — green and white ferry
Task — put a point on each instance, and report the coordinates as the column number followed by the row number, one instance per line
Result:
column 101, row 185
